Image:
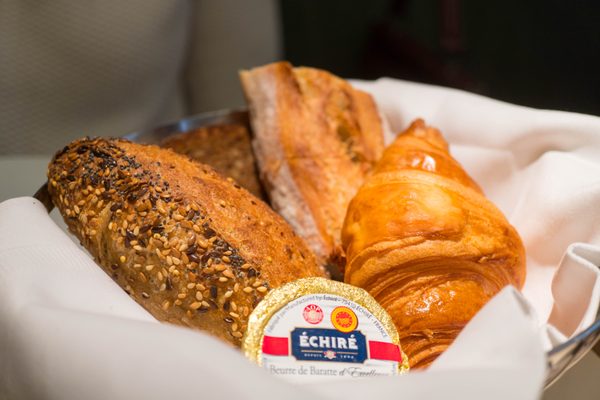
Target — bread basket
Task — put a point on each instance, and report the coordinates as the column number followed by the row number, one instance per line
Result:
column 559, row 358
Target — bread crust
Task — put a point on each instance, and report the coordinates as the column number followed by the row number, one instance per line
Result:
column 190, row 246
column 315, row 138
column 226, row 148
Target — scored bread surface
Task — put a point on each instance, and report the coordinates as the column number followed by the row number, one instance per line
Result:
column 315, row 138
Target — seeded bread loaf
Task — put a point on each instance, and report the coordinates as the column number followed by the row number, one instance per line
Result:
column 226, row 148
column 315, row 140
column 191, row 247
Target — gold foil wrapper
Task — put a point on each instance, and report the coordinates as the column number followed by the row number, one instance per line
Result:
column 277, row 298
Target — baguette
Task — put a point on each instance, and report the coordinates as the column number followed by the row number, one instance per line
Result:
column 316, row 139
column 191, row 247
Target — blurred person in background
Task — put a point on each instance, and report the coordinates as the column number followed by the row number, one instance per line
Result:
column 105, row 68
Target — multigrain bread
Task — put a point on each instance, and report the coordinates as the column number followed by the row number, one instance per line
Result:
column 315, row 139
column 226, row 148
column 191, row 247
column 421, row 237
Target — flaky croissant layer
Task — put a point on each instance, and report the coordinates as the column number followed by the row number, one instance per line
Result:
column 423, row 239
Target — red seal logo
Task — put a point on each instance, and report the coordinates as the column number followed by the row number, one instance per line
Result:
column 312, row 314
column 344, row 319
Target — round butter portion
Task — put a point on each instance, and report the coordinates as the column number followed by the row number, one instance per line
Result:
column 317, row 329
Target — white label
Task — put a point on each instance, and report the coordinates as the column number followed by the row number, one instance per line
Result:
column 325, row 336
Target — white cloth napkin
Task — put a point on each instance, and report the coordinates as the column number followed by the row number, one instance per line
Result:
column 67, row 331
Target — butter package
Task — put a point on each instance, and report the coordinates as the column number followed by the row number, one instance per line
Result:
column 315, row 329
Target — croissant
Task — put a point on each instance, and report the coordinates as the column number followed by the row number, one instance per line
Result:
column 421, row 237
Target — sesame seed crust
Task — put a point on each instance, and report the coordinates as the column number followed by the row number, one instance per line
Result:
column 191, row 247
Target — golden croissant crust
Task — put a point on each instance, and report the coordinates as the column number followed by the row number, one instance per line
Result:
column 423, row 239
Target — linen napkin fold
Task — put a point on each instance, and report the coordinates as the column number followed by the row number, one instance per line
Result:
column 67, row 331
column 40, row 264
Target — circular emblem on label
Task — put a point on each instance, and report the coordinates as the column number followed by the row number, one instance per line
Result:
column 344, row 319
column 313, row 314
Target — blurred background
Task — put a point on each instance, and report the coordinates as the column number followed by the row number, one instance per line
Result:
column 536, row 53
column 70, row 69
